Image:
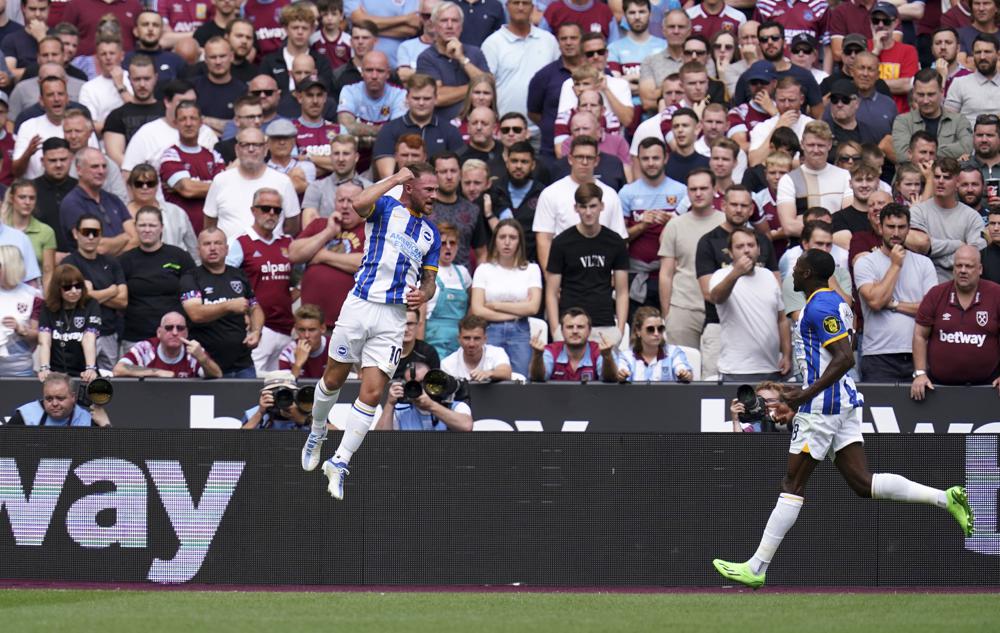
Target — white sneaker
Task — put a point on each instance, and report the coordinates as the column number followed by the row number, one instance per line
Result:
column 311, row 451
column 335, row 472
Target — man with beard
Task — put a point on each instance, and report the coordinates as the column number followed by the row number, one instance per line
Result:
column 515, row 193
column 944, row 50
column 225, row 11
column 142, row 107
column 625, row 55
column 648, row 204
column 771, row 36
column 991, row 254
column 972, row 190
column 456, row 210
column 942, row 224
column 898, row 62
column 983, row 14
column 891, row 283
column 952, row 131
column 240, row 35
column 979, row 92
column 148, row 31
column 986, row 139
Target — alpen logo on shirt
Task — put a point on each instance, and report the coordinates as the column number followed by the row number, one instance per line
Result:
column 78, row 321
column 982, row 318
column 236, row 285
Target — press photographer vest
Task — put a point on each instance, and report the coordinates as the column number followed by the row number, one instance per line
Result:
column 33, row 414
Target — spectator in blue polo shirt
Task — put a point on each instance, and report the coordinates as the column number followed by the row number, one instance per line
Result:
column 452, row 63
column 436, row 131
column 117, row 226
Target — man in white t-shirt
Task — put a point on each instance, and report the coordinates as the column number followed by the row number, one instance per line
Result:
column 27, row 157
column 789, row 96
column 149, row 142
column 230, row 196
column 103, row 93
column 816, row 183
column 616, row 91
column 556, row 211
column 476, row 361
column 755, row 334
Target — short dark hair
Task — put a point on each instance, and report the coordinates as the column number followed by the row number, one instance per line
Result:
column 948, row 166
column 988, row 38
column 927, row 75
column 785, row 138
column 652, row 141
column 816, row 225
column 922, row 135
column 738, row 187
column 367, row 25
column 444, row 155
column 994, row 210
column 53, row 142
column 590, row 36
column 572, row 313
column 513, row 115
column 421, row 169
column 894, row 210
column 641, row 3
column 521, row 147
column 745, row 230
column 175, row 87
column 150, row 210
column 771, row 24
column 820, row 263
column 87, row 216
column 686, row 112
column 584, row 140
column 700, row 171
column 815, row 211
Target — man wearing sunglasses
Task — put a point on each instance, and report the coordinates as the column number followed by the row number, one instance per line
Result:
column 614, row 90
column 898, row 62
column 169, row 354
column 771, row 36
column 105, row 281
column 262, row 254
column 844, row 122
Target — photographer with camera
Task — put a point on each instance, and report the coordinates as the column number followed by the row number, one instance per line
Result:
column 754, row 408
column 63, row 403
column 282, row 405
column 429, row 400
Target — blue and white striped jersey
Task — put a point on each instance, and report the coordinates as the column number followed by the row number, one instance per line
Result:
column 399, row 245
column 826, row 319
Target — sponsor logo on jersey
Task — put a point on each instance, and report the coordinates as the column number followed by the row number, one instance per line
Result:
column 405, row 245
column 982, row 318
column 236, row 285
column 962, row 338
column 831, row 324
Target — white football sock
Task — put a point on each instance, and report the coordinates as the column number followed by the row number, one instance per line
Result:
column 358, row 423
column 323, row 403
column 897, row 488
column 782, row 519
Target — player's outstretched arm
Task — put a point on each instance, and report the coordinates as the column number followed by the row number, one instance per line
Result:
column 364, row 204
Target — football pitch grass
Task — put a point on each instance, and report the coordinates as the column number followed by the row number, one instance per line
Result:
column 112, row 611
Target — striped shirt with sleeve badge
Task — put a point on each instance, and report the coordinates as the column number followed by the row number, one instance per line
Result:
column 399, row 245
column 822, row 322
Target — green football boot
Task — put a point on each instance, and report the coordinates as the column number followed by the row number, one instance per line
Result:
column 739, row 572
column 958, row 506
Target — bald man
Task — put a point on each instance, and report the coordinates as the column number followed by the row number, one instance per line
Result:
column 364, row 107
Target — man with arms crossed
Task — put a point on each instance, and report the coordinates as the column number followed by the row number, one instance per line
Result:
column 402, row 248
column 827, row 419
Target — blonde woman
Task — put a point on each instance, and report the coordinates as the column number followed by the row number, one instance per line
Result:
column 17, row 212
column 19, row 306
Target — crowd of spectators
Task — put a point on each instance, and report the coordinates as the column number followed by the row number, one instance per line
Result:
column 624, row 187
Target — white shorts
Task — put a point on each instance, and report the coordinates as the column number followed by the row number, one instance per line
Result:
column 370, row 333
column 816, row 434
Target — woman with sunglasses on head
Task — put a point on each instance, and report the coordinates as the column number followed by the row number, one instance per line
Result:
column 506, row 290
column 726, row 57
column 178, row 231
column 18, row 212
column 68, row 326
column 649, row 357
column 482, row 94
column 19, row 307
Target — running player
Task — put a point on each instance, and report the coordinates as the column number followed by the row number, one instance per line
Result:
column 401, row 248
column 827, row 419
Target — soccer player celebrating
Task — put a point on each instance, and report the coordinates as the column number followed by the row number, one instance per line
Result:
column 402, row 249
column 827, row 419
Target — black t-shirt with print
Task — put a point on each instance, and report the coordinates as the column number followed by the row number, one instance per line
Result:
column 223, row 337
column 587, row 265
column 67, row 328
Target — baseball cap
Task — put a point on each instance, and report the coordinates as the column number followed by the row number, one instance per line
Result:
column 805, row 39
column 308, row 83
column 279, row 378
column 762, row 70
column 281, row 128
column 855, row 39
column 886, row 9
column 844, row 88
